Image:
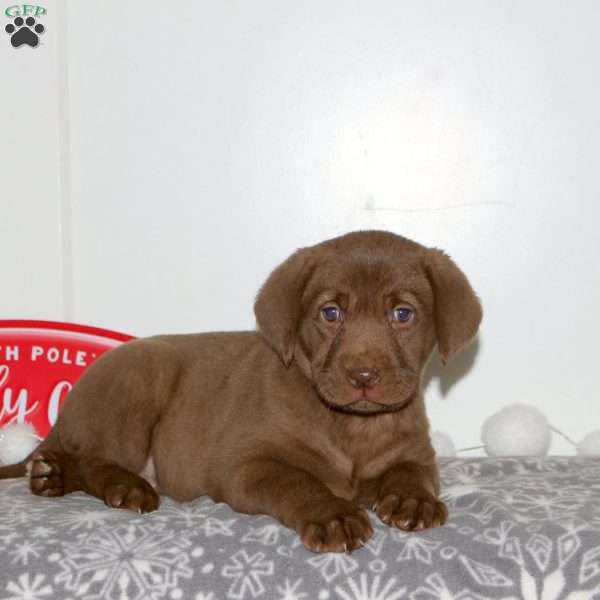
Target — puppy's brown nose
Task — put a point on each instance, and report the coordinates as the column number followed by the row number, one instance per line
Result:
column 363, row 377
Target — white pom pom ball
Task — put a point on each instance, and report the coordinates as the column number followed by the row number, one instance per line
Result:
column 442, row 444
column 516, row 430
column 590, row 444
column 16, row 442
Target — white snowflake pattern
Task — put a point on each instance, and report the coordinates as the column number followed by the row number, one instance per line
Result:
column 485, row 574
column 416, row 547
column 290, row 592
column 136, row 562
column 568, row 544
column 24, row 550
column 436, row 589
column 26, row 589
column 79, row 518
column 190, row 515
column 509, row 546
column 267, row 535
column 363, row 590
column 21, row 511
column 43, row 532
column 332, row 564
column 460, row 472
column 213, row 526
column 540, row 548
column 246, row 571
column 551, row 505
column 552, row 587
column 589, row 471
column 455, row 492
column 376, row 542
column 590, row 565
column 7, row 538
column 483, row 512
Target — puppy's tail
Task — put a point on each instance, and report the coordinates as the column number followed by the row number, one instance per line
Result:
column 12, row 471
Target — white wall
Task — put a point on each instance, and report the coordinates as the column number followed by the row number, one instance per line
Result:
column 31, row 202
column 208, row 140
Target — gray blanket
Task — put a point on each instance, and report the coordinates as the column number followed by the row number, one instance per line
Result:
column 518, row 528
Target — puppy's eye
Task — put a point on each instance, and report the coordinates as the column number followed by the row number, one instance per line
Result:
column 331, row 313
column 402, row 314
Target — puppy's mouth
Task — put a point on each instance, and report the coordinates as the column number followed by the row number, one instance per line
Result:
column 374, row 400
column 366, row 406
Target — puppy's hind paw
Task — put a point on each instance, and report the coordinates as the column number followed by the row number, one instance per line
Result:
column 133, row 493
column 45, row 474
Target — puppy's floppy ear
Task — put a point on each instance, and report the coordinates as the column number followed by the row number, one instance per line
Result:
column 458, row 311
column 278, row 306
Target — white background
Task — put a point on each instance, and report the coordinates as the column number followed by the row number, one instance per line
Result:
column 159, row 159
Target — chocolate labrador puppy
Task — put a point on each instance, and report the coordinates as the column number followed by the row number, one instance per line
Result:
column 312, row 419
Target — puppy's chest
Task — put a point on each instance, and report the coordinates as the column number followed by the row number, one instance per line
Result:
column 355, row 467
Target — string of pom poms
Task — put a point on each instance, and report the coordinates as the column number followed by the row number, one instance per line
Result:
column 517, row 430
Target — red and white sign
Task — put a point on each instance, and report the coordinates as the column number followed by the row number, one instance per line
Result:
column 39, row 363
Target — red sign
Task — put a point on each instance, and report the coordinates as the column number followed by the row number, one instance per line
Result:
column 39, row 363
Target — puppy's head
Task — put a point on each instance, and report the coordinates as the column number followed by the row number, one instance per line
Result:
column 361, row 314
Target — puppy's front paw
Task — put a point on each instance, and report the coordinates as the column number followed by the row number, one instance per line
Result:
column 411, row 514
column 335, row 527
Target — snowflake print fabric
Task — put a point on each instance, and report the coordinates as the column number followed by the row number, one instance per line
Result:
column 518, row 528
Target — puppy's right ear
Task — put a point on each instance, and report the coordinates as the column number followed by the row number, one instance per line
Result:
column 278, row 306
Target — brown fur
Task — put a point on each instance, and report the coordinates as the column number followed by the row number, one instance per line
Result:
column 280, row 421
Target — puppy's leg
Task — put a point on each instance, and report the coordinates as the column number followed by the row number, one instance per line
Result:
column 104, row 433
column 56, row 473
column 407, row 497
column 299, row 500
column 118, row 487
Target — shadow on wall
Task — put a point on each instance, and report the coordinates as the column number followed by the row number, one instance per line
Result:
column 448, row 375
